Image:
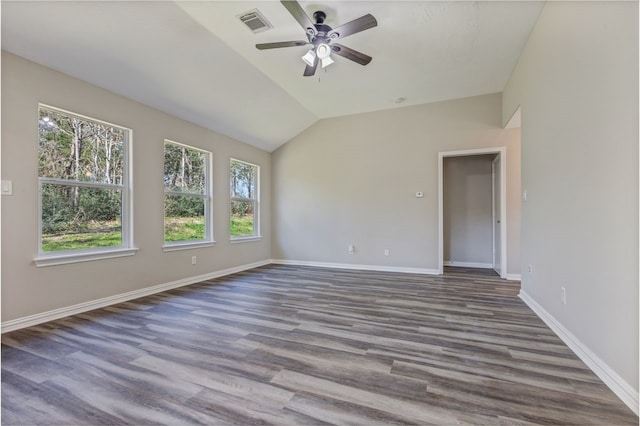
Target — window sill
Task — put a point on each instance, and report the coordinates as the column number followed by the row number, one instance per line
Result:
column 87, row 256
column 187, row 245
column 238, row 240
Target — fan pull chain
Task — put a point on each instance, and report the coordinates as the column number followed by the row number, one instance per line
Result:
column 323, row 69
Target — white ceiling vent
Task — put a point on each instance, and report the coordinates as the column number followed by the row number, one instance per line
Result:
column 256, row 22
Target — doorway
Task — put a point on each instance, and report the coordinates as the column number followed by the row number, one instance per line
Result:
column 497, row 259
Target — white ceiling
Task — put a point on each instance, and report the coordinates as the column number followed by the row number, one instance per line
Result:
column 197, row 61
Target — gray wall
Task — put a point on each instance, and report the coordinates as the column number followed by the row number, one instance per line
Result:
column 577, row 85
column 28, row 290
column 468, row 209
column 352, row 180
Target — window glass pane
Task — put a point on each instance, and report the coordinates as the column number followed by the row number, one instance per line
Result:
column 241, row 218
column 79, row 149
column 184, row 218
column 78, row 218
column 243, row 180
column 184, row 169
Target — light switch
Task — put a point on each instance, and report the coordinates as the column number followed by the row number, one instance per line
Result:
column 7, row 187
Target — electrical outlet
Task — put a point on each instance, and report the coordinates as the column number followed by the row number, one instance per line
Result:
column 351, row 248
column 530, row 269
column 386, row 252
column 563, row 295
column 194, row 260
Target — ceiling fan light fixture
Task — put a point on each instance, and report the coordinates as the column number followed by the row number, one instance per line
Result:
column 325, row 62
column 309, row 58
column 323, row 52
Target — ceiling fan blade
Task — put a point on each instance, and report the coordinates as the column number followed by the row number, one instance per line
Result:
column 362, row 23
column 349, row 53
column 299, row 14
column 311, row 70
column 278, row 44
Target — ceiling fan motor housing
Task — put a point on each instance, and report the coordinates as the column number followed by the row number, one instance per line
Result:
column 320, row 35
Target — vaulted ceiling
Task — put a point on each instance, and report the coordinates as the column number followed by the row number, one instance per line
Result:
column 196, row 60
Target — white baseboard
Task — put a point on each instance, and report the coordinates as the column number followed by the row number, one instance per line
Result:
column 356, row 267
column 617, row 384
column 514, row 277
column 467, row 264
column 55, row 314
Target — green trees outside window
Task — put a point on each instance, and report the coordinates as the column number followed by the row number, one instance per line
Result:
column 244, row 199
column 83, row 181
column 84, row 187
column 186, row 193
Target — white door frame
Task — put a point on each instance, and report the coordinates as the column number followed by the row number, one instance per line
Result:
column 494, row 213
column 502, row 151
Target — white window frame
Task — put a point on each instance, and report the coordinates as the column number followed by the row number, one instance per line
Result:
column 208, row 240
column 83, row 255
column 256, row 205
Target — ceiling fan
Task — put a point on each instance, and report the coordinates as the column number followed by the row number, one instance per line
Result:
column 323, row 38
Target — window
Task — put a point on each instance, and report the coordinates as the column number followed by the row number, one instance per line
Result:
column 244, row 200
column 83, row 187
column 187, row 196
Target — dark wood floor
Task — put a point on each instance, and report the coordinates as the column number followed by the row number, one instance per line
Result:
column 299, row 345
